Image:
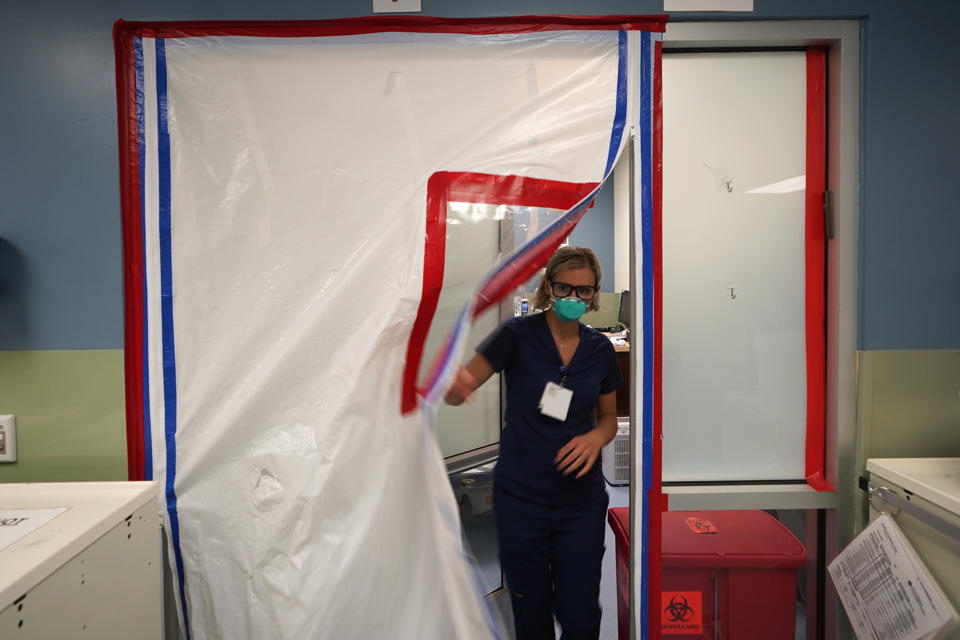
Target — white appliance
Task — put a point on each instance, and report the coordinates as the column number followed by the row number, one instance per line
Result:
column 616, row 455
column 80, row 560
column 923, row 497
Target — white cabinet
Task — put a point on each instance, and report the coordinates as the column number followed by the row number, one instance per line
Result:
column 86, row 561
column 923, row 496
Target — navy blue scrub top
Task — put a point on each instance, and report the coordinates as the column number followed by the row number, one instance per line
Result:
column 524, row 349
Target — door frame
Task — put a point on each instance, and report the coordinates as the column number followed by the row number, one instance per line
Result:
column 833, row 511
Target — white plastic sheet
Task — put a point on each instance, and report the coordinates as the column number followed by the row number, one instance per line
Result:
column 284, row 185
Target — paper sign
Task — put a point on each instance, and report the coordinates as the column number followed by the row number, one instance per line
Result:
column 396, row 6
column 682, row 612
column 672, row 6
column 701, row 525
column 885, row 589
column 16, row 523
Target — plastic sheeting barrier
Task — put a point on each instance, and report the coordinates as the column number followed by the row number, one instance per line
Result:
column 279, row 250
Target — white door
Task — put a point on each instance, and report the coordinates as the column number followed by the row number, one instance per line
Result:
column 734, row 364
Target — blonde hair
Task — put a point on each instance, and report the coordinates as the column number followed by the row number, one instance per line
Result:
column 568, row 257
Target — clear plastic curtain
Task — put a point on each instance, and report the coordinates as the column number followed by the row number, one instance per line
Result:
column 280, row 248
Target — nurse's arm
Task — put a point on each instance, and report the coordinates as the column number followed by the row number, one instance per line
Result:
column 607, row 416
column 469, row 379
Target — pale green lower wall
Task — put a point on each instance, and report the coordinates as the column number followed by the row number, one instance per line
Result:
column 908, row 406
column 70, row 415
column 70, row 412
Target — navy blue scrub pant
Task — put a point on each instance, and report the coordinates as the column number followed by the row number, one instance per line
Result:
column 551, row 557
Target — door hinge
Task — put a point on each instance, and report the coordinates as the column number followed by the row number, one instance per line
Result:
column 828, row 216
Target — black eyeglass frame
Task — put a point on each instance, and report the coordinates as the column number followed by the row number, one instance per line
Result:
column 591, row 290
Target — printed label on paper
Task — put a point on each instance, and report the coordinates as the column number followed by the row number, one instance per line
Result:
column 884, row 587
column 16, row 523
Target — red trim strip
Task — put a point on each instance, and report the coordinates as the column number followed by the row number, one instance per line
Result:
column 443, row 187
column 815, row 241
column 377, row 24
column 130, row 187
column 435, row 244
column 486, row 188
column 658, row 501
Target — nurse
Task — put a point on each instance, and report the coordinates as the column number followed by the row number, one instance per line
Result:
column 550, row 501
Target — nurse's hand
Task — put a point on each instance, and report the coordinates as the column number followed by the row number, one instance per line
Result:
column 468, row 379
column 580, row 453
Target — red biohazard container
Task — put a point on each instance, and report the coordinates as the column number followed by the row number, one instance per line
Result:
column 730, row 575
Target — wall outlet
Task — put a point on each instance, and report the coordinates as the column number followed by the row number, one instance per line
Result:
column 8, row 438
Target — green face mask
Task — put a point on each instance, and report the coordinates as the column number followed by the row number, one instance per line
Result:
column 569, row 309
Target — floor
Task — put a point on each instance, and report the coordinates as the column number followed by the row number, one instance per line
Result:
column 619, row 497
column 484, row 548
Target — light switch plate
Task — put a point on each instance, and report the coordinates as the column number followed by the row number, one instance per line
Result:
column 8, row 438
column 396, row 6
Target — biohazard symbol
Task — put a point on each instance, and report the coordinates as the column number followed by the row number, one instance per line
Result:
column 679, row 610
column 682, row 612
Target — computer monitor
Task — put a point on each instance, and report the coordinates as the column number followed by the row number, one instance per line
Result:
column 624, row 316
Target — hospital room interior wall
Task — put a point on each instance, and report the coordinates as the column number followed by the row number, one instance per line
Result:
column 61, row 316
column 596, row 231
column 70, row 414
column 908, row 406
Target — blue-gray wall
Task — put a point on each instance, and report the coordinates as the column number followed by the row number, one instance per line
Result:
column 60, row 241
column 596, row 231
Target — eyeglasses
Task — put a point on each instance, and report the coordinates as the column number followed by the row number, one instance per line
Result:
column 562, row 290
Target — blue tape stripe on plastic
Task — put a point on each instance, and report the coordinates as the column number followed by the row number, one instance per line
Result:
column 166, row 310
column 616, row 137
column 646, row 217
column 620, row 116
column 142, row 152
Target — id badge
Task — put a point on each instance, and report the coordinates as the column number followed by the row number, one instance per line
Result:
column 555, row 401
